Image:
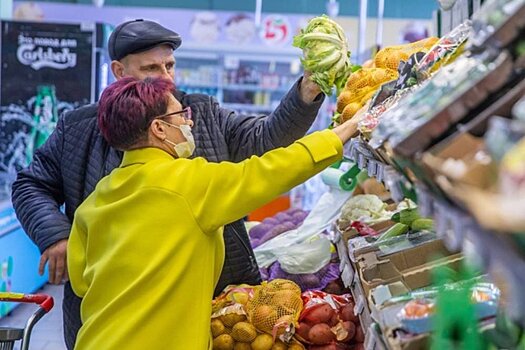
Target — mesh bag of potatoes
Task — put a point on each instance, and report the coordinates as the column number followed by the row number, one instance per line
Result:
column 232, row 329
column 275, row 308
column 360, row 87
column 390, row 57
column 328, row 322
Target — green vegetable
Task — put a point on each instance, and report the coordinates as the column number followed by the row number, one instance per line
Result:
column 406, row 216
column 326, row 54
column 396, row 230
column 422, row 224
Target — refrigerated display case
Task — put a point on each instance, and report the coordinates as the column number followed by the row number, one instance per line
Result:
column 47, row 69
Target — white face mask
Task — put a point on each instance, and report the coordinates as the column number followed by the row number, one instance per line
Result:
column 183, row 149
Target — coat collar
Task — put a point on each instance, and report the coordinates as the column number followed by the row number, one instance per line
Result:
column 144, row 155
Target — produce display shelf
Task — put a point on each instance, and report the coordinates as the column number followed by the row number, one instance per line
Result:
column 359, row 152
column 452, row 113
column 494, row 252
column 502, row 36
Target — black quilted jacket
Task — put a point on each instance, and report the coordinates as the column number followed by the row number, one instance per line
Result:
column 66, row 169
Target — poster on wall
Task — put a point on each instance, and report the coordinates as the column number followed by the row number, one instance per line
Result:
column 46, row 70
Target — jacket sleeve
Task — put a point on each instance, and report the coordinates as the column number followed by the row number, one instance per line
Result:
column 37, row 193
column 228, row 191
column 255, row 135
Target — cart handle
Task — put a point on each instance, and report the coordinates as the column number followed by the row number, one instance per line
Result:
column 43, row 300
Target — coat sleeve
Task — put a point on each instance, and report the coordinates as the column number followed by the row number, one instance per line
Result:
column 220, row 193
column 37, row 193
column 76, row 258
column 248, row 135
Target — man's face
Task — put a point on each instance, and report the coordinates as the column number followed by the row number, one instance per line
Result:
column 157, row 62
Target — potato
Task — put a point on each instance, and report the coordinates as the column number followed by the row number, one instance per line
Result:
column 263, row 342
column 223, row 342
column 347, row 313
column 359, row 334
column 217, row 327
column 321, row 334
column 349, row 326
column 296, row 346
column 323, row 347
column 334, row 288
column 242, row 346
column 319, row 314
column 334, row 320
column 230, row 319
column 302, row 330
column 279, row 345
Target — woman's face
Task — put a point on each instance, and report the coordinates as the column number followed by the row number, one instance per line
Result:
column 174, row 106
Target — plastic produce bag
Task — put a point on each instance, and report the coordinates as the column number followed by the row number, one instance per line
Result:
column 319, row 219
column 307, row 257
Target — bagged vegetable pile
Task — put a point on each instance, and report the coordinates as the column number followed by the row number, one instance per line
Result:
column 232, row 330
column 275, row 308
column 274, row 226
column 360, row 87
column 309, row 264
column 326, row 53
column 328, row 322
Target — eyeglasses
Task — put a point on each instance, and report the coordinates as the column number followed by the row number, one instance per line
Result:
column 184, row 113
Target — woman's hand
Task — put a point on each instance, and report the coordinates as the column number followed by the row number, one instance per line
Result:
column 347, row 130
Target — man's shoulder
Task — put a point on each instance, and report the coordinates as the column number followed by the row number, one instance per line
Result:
column 88, row 112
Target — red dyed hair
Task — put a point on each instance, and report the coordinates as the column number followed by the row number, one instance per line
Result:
column 128, row 106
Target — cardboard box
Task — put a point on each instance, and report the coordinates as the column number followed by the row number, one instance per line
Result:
column 462, row 160
column 374, row 271
column 359, row 246
column 411, row 279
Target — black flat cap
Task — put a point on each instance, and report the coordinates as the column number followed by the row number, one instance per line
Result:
column 139, row 35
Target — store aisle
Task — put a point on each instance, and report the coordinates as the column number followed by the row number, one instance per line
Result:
column 47, row 334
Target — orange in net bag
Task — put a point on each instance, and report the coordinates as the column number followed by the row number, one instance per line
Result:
column 275, row 307
column 390, row 57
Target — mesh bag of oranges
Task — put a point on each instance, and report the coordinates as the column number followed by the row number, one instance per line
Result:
column 390, row 57
column 275, row 307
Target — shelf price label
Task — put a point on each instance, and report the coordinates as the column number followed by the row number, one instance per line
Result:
column 275, row 30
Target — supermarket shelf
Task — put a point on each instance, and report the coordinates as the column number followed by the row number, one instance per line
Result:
column 247, row 107
column 197, row 86
column 254, row 87
column 359, row 151
column 495, row 252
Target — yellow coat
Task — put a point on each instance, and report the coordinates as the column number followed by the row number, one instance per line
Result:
column 146, row 247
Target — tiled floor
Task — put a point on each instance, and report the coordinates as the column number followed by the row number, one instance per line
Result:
column 47, row 333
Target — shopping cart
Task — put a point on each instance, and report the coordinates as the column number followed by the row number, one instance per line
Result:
column 8, row 336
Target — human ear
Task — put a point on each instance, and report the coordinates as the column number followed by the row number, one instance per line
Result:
column 118, row 69
column 158, row 130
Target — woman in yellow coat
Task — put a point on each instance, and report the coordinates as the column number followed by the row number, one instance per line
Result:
column 146, row 247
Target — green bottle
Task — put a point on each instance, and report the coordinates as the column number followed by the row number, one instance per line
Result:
column 45, row 117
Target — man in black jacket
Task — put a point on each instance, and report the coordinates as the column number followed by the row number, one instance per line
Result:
column 66, row 169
